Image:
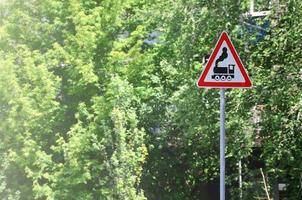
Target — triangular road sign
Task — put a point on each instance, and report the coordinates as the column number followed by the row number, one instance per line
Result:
column 224, row 68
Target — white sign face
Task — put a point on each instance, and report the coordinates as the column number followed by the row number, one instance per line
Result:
column 232, row 74
column 224, row 68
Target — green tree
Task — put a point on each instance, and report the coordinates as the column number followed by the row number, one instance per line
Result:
column 277, row 59
column 90, row 88
column 56, row 56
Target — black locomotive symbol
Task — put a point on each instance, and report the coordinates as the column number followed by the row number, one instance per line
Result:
column 223, row 73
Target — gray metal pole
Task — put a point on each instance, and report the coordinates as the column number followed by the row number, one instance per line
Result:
column 222, row 144
column 240, row 179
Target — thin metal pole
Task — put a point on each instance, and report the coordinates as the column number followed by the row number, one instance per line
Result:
column 222, row 144
column 252, row 7
column 240, row 179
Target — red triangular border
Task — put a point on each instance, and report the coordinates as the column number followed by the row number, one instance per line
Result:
column 201, row 81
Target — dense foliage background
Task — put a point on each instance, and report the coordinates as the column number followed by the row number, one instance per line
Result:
column 98, row 99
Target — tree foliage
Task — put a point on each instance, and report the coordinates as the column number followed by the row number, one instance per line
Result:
column 98, row 98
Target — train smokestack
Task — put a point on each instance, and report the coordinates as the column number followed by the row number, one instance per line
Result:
column 223, row 56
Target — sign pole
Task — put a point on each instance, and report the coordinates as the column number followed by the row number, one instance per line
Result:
column 222, row 144
column 224, row 69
